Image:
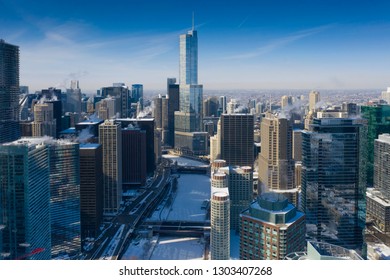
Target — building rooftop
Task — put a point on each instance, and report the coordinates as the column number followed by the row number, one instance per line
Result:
column 89, row 146
column 324, row 251
column 384, row 138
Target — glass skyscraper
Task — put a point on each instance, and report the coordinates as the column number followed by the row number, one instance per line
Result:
column 334, row 182
column 9, row 92
column 189, row 118
column 64, row 198
column 25, row 231
column 378, row 118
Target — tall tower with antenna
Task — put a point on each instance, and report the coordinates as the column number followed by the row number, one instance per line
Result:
column 189, row 119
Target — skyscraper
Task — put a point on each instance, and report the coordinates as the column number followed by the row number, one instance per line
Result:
column 271, row 228
column 64, row 197
column 386, row 95
column 9, row 92
column 73, row 98
column 314, row 98
column 237, row 143
column 189, row 58
column 137, row 93
column 91, row 189
column 189, row 118
column 44, row 124
column 110, row 137
column 378, row 122
column 220, row 217
column 173, row 95
column 120, row 92
column 333, row 181
column 25, row 200
column 133, row 157
column 276, row 166
column 378, row 198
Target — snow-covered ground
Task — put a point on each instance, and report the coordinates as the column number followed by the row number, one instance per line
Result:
column 185, row 161
column 165, row 248
column 171, row 248
column 192, row 190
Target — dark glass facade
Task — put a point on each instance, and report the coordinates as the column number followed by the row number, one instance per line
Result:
column 378, row 118
column 334, row 182
column 9, row 92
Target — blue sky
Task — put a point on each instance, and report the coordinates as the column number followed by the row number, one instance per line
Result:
column 242, row 44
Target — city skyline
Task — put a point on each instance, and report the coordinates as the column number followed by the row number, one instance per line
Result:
column 244, row 45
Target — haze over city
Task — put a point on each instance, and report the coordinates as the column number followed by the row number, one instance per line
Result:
column 243, row 44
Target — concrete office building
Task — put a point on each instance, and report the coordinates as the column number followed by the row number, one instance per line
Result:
column 271, row 228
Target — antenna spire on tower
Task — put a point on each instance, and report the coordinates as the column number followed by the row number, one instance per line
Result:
column 193, row 21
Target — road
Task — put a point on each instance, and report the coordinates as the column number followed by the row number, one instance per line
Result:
column 114, row 239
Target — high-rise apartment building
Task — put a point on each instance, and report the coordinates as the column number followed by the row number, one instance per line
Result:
column 378, row 198
column 110, row 137
column 44, row 123
column 276, row 166
column 25, row 200
column 271, row 228
column 333, row 181
column 237, row 143
column 91, row 189
column 220, row 217
column 9, row 92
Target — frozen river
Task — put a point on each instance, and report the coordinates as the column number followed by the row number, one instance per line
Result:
column 184, row 204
